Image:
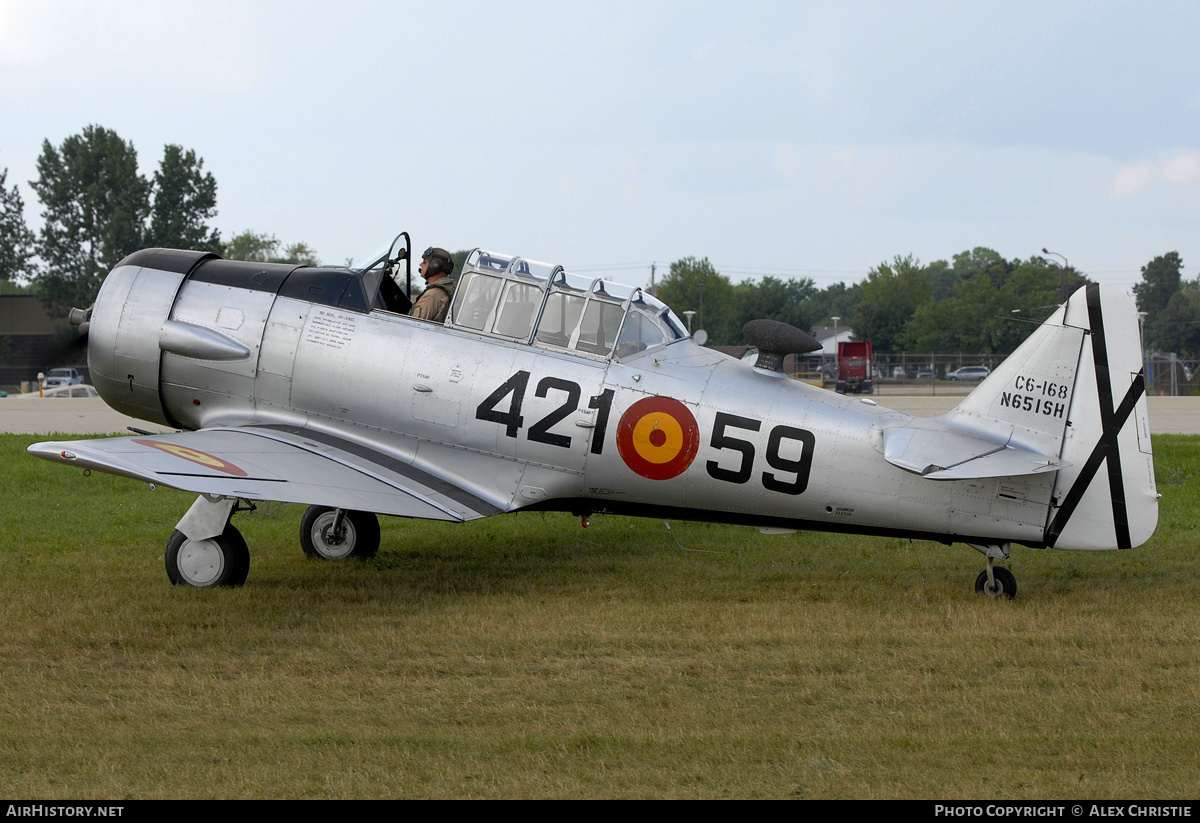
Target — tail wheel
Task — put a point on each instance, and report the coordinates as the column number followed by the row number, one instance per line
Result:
column 323, row 536
column 1005, row 584
column 223, row 560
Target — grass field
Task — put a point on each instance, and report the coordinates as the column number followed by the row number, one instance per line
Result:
column 523, row 656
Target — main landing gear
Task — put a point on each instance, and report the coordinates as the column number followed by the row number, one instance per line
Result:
column 336, row 534
column 995, row 581
column 206, row 550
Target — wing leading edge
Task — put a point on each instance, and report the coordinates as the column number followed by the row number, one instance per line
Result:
column 284, row 463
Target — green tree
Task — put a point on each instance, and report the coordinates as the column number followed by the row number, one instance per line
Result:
column 1178, row 325
column 94, row 206
column 185, row 198
column 891, row 295
column 836, row 300
column 16, row 240
column 1033, row 288
column 966, row 321
column 990, row 301
column 981, row 260
column 941, row 279
column 265, row 248
column 301, row 254
column 694, row 285
column 774, row 299
column 1162, row 278
column 460, row 259
column 252, row 246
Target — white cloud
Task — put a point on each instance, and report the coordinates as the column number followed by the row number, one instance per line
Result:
column 1178, row 169
column 1181, row 168
column 1131, row 179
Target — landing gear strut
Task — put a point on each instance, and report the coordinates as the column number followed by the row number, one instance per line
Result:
column 205, row 549
column 995, row 581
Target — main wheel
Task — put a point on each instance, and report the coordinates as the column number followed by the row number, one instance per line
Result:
column 1006, row 584
column 358, row 536
column 223, row 560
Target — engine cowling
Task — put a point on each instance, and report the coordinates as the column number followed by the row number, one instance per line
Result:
column 127, row 320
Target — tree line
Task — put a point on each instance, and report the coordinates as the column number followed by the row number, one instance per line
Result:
column 97, row 208
column 977, row 302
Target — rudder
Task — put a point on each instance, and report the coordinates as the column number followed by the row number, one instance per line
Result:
column 1106, row 498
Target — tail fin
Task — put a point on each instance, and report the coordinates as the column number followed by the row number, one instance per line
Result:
column 1075, row 388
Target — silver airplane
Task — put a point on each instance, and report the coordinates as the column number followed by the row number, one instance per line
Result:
column 544, row 390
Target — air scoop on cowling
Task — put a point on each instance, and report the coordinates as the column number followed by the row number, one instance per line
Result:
column 775, row 340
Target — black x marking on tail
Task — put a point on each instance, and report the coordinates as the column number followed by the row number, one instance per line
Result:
column 1112, row 420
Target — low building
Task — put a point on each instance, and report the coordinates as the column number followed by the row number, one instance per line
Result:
column 31, row 341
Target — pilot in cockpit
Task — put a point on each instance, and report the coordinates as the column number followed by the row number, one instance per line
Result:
column 434, row 302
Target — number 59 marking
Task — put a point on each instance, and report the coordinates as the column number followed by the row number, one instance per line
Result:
column 800, row 467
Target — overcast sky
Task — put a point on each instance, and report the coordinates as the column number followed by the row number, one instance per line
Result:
column 811, row 139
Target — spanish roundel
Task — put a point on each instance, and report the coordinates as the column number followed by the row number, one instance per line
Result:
column 195, row 456
column 658, row 438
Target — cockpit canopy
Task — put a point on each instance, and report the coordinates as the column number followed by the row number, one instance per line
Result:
column 524, row 300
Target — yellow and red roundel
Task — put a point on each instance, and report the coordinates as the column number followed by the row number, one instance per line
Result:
column 658, row 438
column 207, row 460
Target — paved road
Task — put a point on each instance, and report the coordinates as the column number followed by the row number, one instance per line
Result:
column 64, row 416
column 1168, row 415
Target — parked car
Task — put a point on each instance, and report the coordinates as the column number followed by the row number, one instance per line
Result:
column 925, row 374
column 62, row 377
column 969, row 373
column 79, row 390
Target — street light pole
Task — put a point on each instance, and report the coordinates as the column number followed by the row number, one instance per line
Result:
column 1146, row 376
column 837, row 365
column 1062, row 278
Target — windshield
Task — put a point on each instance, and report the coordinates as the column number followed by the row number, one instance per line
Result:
column 373, row 259
column 379, row 255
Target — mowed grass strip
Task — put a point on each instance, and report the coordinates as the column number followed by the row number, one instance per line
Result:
column 523, row 656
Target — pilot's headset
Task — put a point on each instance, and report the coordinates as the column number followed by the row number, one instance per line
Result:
column 440, row 261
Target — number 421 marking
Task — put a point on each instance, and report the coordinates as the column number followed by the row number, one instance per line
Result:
column 539, row 432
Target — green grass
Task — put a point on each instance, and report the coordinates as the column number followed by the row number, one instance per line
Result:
column 522, row 656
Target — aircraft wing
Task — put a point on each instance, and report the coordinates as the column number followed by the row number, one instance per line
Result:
column 939, row 454
column 283, row 463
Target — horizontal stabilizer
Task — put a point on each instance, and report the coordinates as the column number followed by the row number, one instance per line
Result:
column 942, row 454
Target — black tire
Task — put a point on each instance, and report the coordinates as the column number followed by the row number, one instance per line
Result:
column 1006, row 584
column 217, row 561
column 361, row 539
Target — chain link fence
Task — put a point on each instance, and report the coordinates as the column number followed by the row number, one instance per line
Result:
column 1167, row 375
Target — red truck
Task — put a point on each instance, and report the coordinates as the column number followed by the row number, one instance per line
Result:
column 854, row 368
